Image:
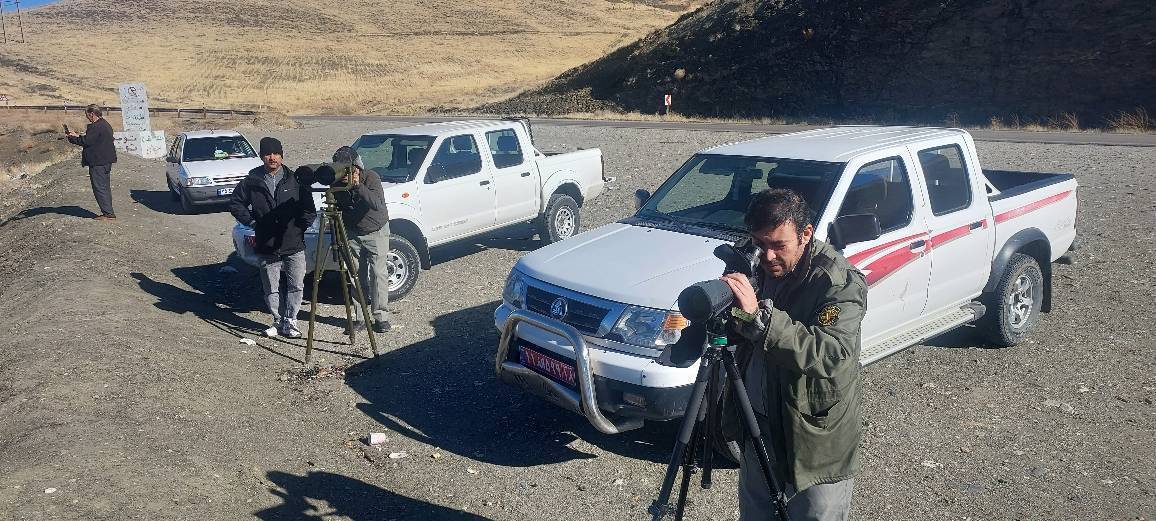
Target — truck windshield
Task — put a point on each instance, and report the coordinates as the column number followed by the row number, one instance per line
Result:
column 714, row 190
column 217, row 147
column 395, row 157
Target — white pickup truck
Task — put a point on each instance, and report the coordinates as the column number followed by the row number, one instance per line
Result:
column 585, row 323
column 481, row 176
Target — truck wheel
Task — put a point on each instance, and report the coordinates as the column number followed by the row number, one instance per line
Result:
column 560, row 221
column 404, row 267
column 1014, row 306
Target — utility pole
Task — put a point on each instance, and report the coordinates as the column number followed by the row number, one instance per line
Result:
column 20, row 20
column 3, row 26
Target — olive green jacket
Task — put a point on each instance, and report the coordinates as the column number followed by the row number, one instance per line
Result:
column 812, row 342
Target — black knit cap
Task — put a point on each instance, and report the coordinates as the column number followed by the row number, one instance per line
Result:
column 270, row 145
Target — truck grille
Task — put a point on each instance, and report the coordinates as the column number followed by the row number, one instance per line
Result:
column 585, row 317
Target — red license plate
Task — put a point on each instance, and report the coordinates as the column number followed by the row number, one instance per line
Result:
column 556, row 369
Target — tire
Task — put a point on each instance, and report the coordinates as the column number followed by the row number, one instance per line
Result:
column 560, row 221
column 1013, row 309
column 731, row 450
column 404, row 267
column 186, row 205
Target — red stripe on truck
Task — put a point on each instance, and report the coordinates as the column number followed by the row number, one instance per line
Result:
column 884, row 266
column 1027, row 208
column 858, row 257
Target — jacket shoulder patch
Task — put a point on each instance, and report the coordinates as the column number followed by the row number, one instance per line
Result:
column 828, row 315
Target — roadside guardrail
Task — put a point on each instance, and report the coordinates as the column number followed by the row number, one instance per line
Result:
column 188, row 112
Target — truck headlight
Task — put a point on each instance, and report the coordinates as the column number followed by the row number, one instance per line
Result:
column 648, row 327
column 515, row 292
column 199, row 181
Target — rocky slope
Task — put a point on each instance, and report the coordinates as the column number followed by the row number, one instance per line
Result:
column 889, row 60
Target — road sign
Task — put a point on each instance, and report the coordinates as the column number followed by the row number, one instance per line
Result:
column 134, row 107
column 666, row 100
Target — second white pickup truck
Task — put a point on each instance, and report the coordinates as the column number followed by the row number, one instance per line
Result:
column 449, row 181
column 942, row 243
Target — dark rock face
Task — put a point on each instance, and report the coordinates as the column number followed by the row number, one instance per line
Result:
column 887, row 60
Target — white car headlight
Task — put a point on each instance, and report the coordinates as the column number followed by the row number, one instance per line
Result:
column 648, row 327
column 515, row 292
column 199, row 181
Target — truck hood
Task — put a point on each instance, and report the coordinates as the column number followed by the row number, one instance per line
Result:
column 221, row 167
column 625, row 263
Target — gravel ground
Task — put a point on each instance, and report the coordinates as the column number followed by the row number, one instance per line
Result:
column 126, row 393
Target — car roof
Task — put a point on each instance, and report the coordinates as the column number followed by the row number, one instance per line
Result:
column 447, row 127
column 836, row 144
column 211, row 133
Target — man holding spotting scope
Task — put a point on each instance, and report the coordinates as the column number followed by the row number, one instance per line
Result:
column 367, row 223
column 798, row 349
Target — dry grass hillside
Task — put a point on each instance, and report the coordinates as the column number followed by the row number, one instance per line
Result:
column 300, row 56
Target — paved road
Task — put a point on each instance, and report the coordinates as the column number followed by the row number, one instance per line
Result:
column 1006, row 136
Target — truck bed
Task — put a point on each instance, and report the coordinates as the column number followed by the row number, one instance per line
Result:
column 1012, row 183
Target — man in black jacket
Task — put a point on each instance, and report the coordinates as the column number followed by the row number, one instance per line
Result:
column 279, row 209
column 98, row 155
column 367, row 221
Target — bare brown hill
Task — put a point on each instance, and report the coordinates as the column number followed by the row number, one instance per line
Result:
column 895, row 60
column 356, row 56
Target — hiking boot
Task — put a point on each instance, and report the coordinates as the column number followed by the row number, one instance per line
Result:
column 381, row 326
column 271, row 331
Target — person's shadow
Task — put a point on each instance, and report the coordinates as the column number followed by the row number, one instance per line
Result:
column 74, row 211
column 443, row 392
column 346, row 497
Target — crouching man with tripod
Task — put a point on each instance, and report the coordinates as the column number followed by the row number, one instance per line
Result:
column 798, row 351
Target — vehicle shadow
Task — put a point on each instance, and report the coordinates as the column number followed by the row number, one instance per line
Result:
column 74, row 211
column 442, row 391
column 963, row 337
column 346, row 498
column 162, row 201
column 513, row 238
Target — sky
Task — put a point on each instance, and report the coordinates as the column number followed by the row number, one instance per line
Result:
column 25, row 4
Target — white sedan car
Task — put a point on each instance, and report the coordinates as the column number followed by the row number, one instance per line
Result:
column 204, row 166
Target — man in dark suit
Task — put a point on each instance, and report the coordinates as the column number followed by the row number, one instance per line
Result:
column 98, row 155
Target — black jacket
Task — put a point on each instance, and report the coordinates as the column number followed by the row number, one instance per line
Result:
column 363, row 207
column 279, row 221
column 97, row 143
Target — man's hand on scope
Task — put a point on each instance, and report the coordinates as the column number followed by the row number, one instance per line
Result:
column 354, row 177
column 745, row 297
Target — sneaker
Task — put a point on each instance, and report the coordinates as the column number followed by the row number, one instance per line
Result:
column 271, row 331
column 381, row 326
column 357, row 328
column 291, row 331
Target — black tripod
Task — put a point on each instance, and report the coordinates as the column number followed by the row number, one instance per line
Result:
column 694, row 445
column 333, row 223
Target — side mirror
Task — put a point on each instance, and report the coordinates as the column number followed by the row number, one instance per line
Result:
column 640, row 198
column 850, row 229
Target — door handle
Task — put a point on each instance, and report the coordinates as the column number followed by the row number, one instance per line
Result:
column 976, row 225
column 484, row 183
column 918, row 244
column 525, row 174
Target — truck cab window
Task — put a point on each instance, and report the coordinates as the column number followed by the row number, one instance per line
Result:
column 505, row 148
column 881, row 188
column 456, row 157
column 948, row 185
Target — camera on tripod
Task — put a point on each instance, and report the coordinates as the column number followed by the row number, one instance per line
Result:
column 707, row 304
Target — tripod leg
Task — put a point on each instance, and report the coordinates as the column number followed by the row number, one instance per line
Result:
column 710, row 425
column 752, row 424
column 344, row 269
column 348, row 258
column 688, row 468
column 677, row 457
column 318, row 271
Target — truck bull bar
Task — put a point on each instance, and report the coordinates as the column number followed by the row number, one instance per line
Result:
column 585, row 401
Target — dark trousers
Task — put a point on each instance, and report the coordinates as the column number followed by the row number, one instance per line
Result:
column 101, row 180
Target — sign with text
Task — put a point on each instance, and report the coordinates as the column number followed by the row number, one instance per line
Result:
column 149, row 145
column 134, row 107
